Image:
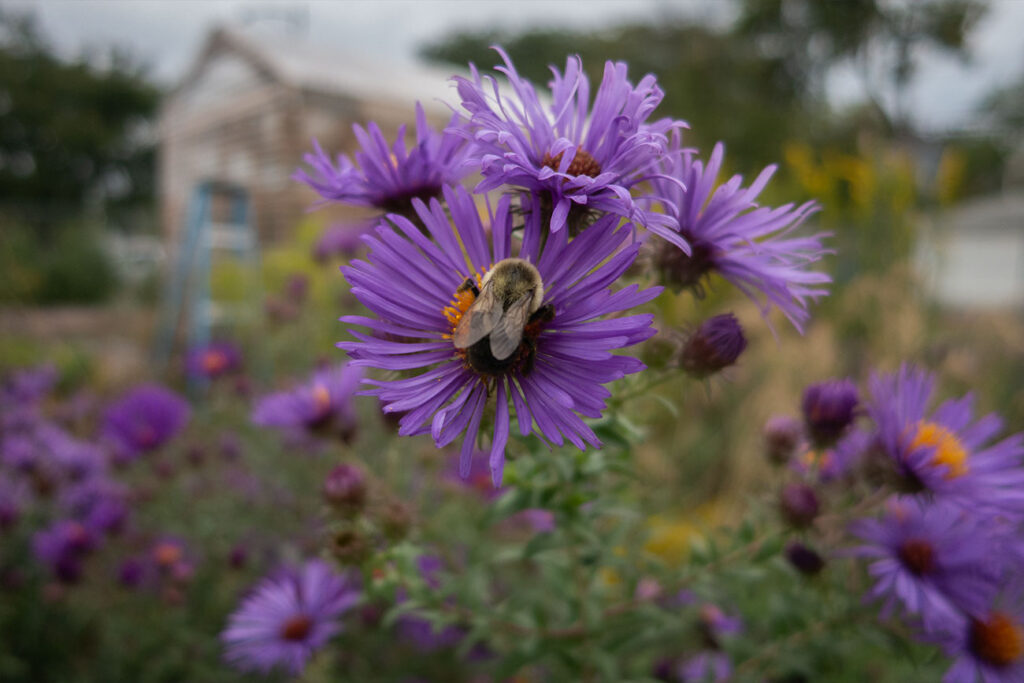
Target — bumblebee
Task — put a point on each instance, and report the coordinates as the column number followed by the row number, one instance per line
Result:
column 498, row 332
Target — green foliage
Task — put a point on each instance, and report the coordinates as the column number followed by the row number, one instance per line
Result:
column 69, row 131
column 71, row 267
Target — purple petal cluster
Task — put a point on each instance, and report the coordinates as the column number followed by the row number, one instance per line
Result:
column 946, row 453
column 408, row 282
column 213, row 360
column 728, row 233
column 574, row 154
column 287, row 618
column 322, row 406
column 143, row 420
column 388, row 177
column 933, row 560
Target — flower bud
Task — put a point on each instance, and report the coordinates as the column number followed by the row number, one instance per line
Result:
column 345, row 488
column 715, row 345
column 804, row 559
column 396, row 520
column 798, row 504
column 829, row 408
column 781, row 436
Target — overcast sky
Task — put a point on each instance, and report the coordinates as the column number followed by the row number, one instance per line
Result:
column 167, row 33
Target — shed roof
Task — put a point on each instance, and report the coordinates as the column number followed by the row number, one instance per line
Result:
column 331, row 71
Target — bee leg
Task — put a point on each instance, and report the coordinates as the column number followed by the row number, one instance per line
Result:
column 469, row 285
column 529, row 347
column 544, row 314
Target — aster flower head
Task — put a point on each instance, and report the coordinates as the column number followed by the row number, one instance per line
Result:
column 143, row 420
column 988, row 647
column 323, row 405
column 575, row 155
column 213, row 360
column 287, row 618
column 63, row 546
column 419, row 290
column 932, row 560
column 833, row 462
column 728, row 233
column 388, row 177
column 947, row 453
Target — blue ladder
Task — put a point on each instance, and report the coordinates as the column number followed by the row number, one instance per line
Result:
column 188, row 288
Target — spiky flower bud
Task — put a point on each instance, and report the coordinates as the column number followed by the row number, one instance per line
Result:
column 829, row 408
column 345, row 489
column 799, row 504
column 806, row 560
column 782, row 434
column 713, row 346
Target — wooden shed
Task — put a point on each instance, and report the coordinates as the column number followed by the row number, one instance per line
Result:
column 248, row 108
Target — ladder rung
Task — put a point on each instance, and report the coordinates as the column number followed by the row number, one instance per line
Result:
column 228, row 236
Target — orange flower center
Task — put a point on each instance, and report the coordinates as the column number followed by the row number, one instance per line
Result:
column 947, row 449
column 297, row 628
column 214, row 362
column 321, row 398
column 998, row 640
column 166, row 554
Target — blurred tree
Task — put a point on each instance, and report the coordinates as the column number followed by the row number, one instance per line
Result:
column 72, row 134
column 879, row 38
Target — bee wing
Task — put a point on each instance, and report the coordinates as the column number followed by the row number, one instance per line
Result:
column 508, row 332
column 479, row 320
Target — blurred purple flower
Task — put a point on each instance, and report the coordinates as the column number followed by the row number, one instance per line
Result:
column 144, row 419
column 322, row 406
column 709, row 665
column 412, row 286
column 27, row 386
column 931, row 559
column 287, row 618
column 579, row 158
column 730, row 234
column 990, row 646
column 830, row 464
column 945, row 453
column 213, row 360
column 62, row 546
column 829, row 408
column 341, row 240
column 388, row 177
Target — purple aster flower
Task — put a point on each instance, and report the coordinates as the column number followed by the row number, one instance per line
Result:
column 579, row 158
column 749, row 245
column 288, row 617
column 829, row 408
column 144, row 419
column 988, row 647
column 799, row 504
column 213, row 360
column 388, row 177
column 322, row 406
column 62, row 546
column 710, row 665
column 930, row 558
column 715, row 345
column 947, row 453
column 419, row 291
column 131, row 572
